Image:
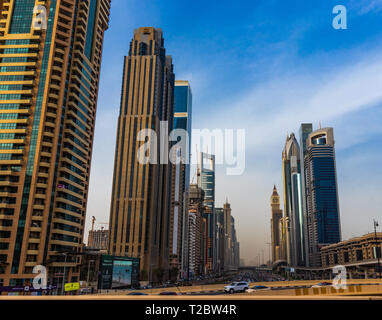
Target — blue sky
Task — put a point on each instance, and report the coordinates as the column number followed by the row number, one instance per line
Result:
column 264, row 66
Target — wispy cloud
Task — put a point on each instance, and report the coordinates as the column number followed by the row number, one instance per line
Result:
column 367, row 6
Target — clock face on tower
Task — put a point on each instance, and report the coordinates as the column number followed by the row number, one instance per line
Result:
column 275, row 200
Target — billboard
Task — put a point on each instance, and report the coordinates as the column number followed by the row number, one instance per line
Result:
column 118, row 272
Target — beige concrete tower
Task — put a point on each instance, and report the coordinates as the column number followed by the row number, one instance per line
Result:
column 141, row 195
column 276, row 219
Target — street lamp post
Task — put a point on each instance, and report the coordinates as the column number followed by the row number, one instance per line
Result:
column 63, row 277
column 87, row 282
column 376, row 247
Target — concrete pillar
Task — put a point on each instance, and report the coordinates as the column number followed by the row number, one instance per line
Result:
column 366, row 274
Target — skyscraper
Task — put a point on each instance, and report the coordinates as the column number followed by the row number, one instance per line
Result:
column 206, row 181
column 141, row 194
column 293, row 211
column 180, row 173
column 277, row 215
column 193, row 252
column 305, row 130
column 49, row 81
column 321, row 193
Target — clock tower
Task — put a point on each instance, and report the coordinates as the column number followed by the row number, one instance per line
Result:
column 276, row 226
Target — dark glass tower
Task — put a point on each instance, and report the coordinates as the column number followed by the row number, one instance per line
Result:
column 321, row 193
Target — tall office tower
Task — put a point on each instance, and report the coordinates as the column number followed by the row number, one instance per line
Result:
column 49, row 81
column 194, row 261
column 235, row 258
column 293, row 202
column 228, row 236
column 322, row 193
column 277, row 215
column 206, row 181
column 220, row 239
column 305, row 130
column 180, row 172
column 141, row 194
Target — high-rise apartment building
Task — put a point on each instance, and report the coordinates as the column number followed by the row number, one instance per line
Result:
column 323, row 214
column 141, row 194
column 180, row 172
column 50, row 59
column 277, row 215
column 293, row 211
column 206, row 181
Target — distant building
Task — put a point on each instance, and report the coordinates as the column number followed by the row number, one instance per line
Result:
column 193, row 255
column 206, row 181
column 276, row 233
column 323, row 214
column 98, row 239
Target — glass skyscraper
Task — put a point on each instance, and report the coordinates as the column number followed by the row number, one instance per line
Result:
column 206, row 181
column 323, row 213
column 180, row 176
column 293, row 211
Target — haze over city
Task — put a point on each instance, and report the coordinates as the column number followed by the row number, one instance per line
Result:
column 270, row 70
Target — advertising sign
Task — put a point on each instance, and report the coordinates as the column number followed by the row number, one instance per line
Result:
column 72, row 286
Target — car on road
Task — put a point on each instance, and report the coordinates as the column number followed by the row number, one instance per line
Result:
column 236, row 287
column 322, row 284
column 257, row 288
column 137, row 294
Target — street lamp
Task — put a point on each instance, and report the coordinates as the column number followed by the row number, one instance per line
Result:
column 87, row 282
column 377, row 252
column 63, row 277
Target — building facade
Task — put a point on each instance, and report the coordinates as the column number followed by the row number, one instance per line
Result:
column 323, row 215
column 305, row 130
column 50, row 59
column 206, row 181
column 276, row 235
column 141, row 194
column 180, row 171
column 99, row 240
column 193, row 261
column 293, row 211
column 365, row 249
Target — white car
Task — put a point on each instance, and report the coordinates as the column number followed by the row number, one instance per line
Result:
column 258, row 288
column 322, row 284
column 236, row 287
